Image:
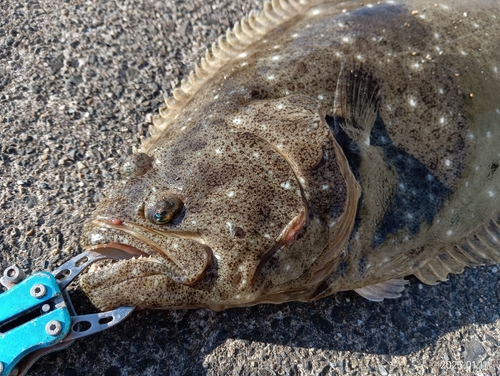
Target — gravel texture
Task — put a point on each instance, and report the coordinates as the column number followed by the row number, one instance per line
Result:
column 78, row 83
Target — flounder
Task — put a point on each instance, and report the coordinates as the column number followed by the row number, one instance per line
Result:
column 320, row 146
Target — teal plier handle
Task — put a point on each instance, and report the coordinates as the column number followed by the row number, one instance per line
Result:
column 37, row 317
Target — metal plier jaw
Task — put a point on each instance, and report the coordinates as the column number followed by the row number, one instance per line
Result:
column 37, row 316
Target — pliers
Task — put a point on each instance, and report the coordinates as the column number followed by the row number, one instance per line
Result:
column 37, row 316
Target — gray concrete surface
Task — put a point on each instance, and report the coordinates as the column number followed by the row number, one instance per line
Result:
column 78, row 82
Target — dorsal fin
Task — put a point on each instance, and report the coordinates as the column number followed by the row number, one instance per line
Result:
column 482, row 247
column 244, row 33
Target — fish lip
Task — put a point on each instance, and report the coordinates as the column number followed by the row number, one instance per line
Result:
column 148, row 248
column 131, row 229
column 124, row 248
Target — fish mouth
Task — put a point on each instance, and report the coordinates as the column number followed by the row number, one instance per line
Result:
column 183, row 255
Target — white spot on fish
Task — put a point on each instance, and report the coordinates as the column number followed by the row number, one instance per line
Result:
column 193, row 222
column 495, row 69
column 325, row 187
column 237, row 121
column 238, row 296
column 276, row 46
column 315, row 12
column 230, row 194
column 449, row 232
column 491, row 193
column 218, row 151
column 280, row 106
column 244, row 63
column 442, row 120
column 416, row 66
column 287, row 267
column 286, row 185
column 441, row 91
column 295, row 35
column 436, row 35
column 471, row 136
column 332, row 223
column 256, row 155
column 466, row 184
column 346, row 39
column 413, row 102
column 488, row 134
column 302, row 180
column 277, row 57
column 447, row 163
column 267, row 236
column 217, row 256
column 321, row 97
column 175, row 246
column 463, row 53
column 270, row 77
column 359, row 57
column 242, row 55
column 409, row 215
column 96, row 238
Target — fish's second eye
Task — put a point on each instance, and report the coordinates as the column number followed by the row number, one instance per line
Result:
column 164, row 210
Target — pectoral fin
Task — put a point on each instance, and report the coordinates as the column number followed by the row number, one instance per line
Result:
column 391, row 289
column 357, row 100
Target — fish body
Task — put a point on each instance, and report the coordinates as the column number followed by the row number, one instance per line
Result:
column 319, row 147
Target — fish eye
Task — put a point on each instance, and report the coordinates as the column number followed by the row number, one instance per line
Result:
column 135, row 165
column 163, row 211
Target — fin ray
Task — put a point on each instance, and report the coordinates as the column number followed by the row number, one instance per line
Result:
column 357, row 100
column 482, row 247
column 390, row 289
column 229, row 45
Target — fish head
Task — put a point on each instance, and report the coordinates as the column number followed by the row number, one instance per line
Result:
column 211, row 215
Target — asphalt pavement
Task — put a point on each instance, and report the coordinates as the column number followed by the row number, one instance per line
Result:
column 79, row 81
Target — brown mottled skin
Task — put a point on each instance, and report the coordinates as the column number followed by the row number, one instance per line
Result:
column 295, row 185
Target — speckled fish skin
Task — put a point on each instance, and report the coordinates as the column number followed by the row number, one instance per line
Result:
column 348, row 146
